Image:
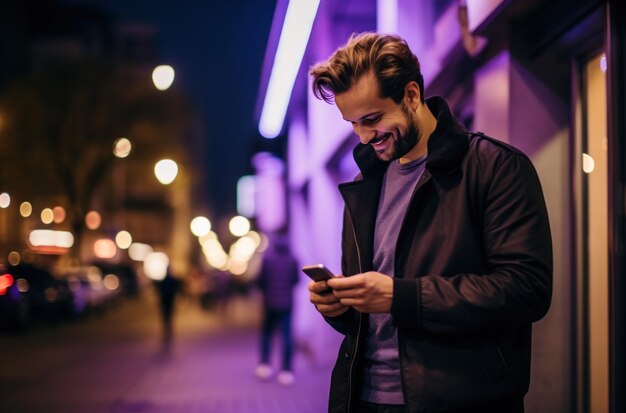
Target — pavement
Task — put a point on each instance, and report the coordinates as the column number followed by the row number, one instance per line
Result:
column 116, row 362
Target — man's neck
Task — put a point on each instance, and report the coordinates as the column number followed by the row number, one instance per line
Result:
column 427, row 124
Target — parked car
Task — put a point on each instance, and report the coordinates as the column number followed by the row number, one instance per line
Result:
column 33, row 295
column 13, row 304
column 90, row 287
column 127, row 277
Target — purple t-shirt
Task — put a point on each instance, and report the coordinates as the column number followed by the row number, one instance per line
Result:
column 381, row 378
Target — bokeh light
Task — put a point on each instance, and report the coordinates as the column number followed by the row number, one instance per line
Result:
column 256, row 237
column 14, row 258
column 210, row 235
column 47, row 216
column 104, row 248
column 22, row 285
column 242, row 249
column 165, row 171
column 59, row 214
column 163, row 76
column 93, row 220
column 200, row 226
column 123, row 239
column 138, row 251
column 51, row 294
column 239, row 226
column 122, row 147
column 26, row 209
column 6, row 280
column 155, row 265
column 214, row 252
column 237, row 267
column 51, row 238
column 111, row 282
column 5, row 200
column 588, row 163
column 94, row 276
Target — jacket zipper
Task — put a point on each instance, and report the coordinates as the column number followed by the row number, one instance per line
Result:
column 358, row 333
column 400, row 351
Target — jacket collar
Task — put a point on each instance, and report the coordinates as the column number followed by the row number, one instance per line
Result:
column 447, row 144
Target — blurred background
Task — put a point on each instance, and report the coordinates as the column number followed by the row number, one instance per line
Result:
column 143, row 141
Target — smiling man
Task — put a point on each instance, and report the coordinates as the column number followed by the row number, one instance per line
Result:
column 446, row 248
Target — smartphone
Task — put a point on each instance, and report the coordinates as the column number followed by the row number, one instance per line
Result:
column 318, row 272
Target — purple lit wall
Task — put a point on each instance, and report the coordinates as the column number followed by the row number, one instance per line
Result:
column 270, row 192
column 539, row 126
column 491, row 102
column 515, row 107
column 479, row 10
column 310, row 331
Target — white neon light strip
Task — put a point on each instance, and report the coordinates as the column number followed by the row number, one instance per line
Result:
column 291, row 46
column 387, row 16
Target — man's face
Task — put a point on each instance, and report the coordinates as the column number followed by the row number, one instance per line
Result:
column 389, row 127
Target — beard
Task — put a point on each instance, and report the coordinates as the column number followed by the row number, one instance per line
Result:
column 403, row 142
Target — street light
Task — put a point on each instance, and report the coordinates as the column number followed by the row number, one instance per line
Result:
column 58, row 214
column 122, row 147
column 104, row 248
column 155, row 265
column 93, row 220
column 26, row 209
column 163, row 77
column 200, row 226
column 239, row 226
column 47, row 216
column 165, row 171
column 123, row 240
column 139, row 251
column 5, row 200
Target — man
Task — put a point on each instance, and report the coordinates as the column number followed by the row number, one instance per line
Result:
column 277, row 279
column 446, row 249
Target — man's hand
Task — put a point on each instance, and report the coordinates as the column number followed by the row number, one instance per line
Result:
column 370, row 292
column 324, row 300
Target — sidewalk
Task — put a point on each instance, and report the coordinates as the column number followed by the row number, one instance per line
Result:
column 116, row 364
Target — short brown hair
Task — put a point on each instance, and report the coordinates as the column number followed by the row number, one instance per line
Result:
column 387, row 55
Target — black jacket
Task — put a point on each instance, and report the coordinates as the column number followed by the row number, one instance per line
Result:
column 473, row 270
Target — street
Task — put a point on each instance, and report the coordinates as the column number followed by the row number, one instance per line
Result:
column 115, row 363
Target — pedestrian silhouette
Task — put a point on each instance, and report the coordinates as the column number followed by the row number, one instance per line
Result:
column 277, row 278
column 167, row 288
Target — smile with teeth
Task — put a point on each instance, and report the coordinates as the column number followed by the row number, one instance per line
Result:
column 380, row 139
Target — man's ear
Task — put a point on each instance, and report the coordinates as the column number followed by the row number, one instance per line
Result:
column 412, row 95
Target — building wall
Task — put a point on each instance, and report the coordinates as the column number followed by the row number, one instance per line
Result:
column 515, row 107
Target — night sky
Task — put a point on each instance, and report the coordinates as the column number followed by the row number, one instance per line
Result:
column 217, row 49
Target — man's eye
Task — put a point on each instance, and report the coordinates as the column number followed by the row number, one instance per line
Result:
column 372, row 120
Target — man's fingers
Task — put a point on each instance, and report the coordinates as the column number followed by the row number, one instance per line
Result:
column 351, row 302
column 327, row 298
column 332, row 310
column 318, row 287
column 349, row 293
column 346, row 283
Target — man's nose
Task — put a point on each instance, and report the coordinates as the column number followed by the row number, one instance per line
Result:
column 365, row 134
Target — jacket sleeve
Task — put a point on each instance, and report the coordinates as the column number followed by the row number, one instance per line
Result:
column 343, row 322
column 517, row 247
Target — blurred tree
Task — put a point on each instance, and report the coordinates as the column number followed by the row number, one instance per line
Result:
column 60, row 123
